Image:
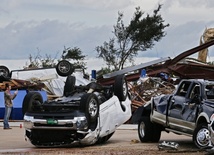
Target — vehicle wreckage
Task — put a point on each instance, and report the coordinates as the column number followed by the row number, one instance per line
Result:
column 85, row 114
column 159, row 74
column 188, row 111
column 158, row 79
column 173, row 111
column 162, row 74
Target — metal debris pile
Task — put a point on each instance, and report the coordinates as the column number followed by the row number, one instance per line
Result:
column 22, row 84
column 145, row 88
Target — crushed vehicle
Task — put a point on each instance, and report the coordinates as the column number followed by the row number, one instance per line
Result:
column 85, row 114
column 188, row 111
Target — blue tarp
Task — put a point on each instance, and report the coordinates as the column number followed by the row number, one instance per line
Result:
column 16, row 113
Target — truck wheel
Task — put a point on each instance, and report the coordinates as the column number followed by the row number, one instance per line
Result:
column 69, row 85
column 145, row 129
column 64, row 68
column 90, row 105
column 4, row 74
column 201, row 136
column 156, row 132
column 120, row 87
column 31, row 99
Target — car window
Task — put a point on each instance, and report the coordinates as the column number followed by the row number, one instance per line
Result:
column 195, row 91
column 210, row 91
column 183, row 88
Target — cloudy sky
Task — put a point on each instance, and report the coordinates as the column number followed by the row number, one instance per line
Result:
column 47, row 26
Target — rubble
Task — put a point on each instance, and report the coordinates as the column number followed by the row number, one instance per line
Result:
column 180, row 67
column 168, row 145
column 142, row 91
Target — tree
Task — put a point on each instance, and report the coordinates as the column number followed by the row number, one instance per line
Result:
column 39, row 62
column 76, row 55
column 139, row 35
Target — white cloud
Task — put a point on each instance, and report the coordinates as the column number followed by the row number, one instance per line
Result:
column 181, row 11
column 49, row 37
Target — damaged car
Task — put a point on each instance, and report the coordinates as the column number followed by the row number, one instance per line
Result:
column 85, row 114
column 188, row 111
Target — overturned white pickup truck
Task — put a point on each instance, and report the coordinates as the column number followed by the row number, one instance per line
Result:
column 86, row 114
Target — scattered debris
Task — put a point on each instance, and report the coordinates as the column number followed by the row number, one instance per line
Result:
column 135, row 141
column 168, row 146
column 145, row 88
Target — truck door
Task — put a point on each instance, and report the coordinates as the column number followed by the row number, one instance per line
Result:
column 178, row 101
column 183, row 106
column 189, row 110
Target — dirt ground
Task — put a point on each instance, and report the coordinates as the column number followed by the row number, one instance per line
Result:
column 123, row 142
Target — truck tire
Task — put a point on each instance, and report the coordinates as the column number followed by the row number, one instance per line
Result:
column 90, row 105
column 4, row 74
column 144, row 129
column 120, row 87
column 156, row 132
column 201, row 136
column 69, row 85
column 148, row 131
column 30, row 99
column 64, row 68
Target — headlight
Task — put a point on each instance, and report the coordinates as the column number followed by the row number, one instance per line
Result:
column 81, row 122
column 28, row 118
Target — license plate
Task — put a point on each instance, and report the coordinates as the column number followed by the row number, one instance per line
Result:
column 52, row 121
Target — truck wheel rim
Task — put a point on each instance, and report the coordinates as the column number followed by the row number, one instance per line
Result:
column 64, row 67
column 203, row 137
column 93, row 108
column 142, row 129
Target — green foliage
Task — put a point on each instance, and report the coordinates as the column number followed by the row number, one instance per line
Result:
column 102, row 71
column 39, row 62
column 74, row 54
column 139, row 35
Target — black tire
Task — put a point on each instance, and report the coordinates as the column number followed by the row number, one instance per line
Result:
column 201, row 130
column 120, row 87
column 104, row 139
column 69, row 85
column 90, row 105
column 153, row 130
column 30, row 99
column 4, row 71
column 64, row 68
column 145, row 129
column 156, row 132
